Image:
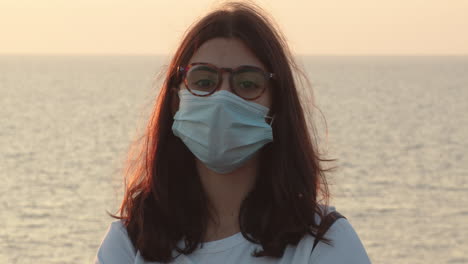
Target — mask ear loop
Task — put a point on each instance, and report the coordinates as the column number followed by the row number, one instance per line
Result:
column 272, row 118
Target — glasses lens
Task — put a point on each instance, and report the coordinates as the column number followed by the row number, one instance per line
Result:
column 202, row 79
column 249, row 83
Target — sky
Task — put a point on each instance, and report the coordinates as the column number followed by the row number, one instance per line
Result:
column 326, row 27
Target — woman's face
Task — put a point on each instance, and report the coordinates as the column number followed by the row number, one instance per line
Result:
column 229, row 53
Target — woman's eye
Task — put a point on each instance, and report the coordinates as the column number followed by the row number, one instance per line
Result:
column 248, row 84
column 204, row 83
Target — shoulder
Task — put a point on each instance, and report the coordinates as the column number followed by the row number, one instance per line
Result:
column 116, row 246
column 346, row 246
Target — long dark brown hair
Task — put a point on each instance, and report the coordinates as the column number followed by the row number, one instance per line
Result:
column 164, row 201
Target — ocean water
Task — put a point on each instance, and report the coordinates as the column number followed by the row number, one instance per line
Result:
column 397, row 125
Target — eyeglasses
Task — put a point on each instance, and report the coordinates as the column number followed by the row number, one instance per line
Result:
column 203, row 79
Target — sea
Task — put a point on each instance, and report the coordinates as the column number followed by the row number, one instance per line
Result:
column 396, row 125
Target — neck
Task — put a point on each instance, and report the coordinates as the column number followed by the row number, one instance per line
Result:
column 225, row 194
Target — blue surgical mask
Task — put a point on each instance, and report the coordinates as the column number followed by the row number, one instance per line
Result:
column 222, row 130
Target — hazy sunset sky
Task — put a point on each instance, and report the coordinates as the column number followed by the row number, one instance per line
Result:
column 340, row 27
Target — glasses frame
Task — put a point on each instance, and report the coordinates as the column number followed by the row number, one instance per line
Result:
column 221, row 71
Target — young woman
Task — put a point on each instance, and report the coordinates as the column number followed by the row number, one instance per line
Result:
column 229, row 172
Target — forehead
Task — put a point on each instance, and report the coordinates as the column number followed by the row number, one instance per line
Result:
column 225, row 52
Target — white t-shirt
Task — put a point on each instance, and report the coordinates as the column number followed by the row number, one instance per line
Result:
column 116, row 248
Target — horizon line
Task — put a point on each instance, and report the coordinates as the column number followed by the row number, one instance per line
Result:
column 296, row 54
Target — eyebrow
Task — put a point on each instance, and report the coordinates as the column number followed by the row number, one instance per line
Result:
column 206, row 67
